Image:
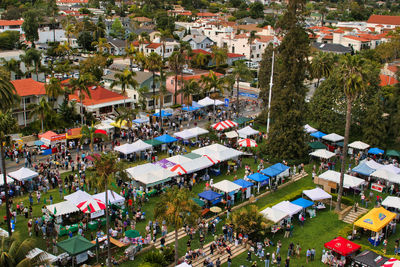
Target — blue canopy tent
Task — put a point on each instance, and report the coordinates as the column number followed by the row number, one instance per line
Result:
column 363, row 169
column 375, row 151
column 163, row 114
column 38, row 143
column 243, row 183
column 196, row 105
column 260, row 178
column 280, row 167
column 141, row 120
column 210, row 195
column 317, row 134
column 166, row 138
column 271, row 172
column 305, row 203
column 190, row 108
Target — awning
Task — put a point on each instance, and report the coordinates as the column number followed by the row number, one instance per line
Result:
column 305, row 203
column 198, row 131
column 242, row 120
column 287, row 207
column 179, row 159
column 78, row 197
column 375, row 151
column 386, row 175
column 393, row 153
column 164, row 163
column 247, row 131
column 23, row 174
column 317, row 134
column 333, row 137
column 258, row 177
column 372, row 164
column 153, row 142
column 224, row 125
column 166, row 138
column 206, row 102
column 363, row 169
column 375, row 219
column 192, row 155
column 91, row 205
column 316, row 194
column 274, row 215
column 243, row 183
column 226, row 186
column 209, row 195
column 156, row 177
column 359, row 145
column 185, row 134
column 322, row 153
column 75, row 245
column 163, row 114
column 316, row 145
column 231, row 134
column 74, row 133
column 113, row 197
column 342, row 246
column 349, row 181
column 392, row 202
column 192, row 165
column 62, row 208
column 45, row 256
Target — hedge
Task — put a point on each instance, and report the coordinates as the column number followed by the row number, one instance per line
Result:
column 345, row 200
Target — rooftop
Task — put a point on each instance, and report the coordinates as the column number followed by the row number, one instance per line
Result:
column 383, row 19
column 28, row 87
column 99, row 95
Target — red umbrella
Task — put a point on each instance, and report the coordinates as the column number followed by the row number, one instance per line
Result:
column 99, row 131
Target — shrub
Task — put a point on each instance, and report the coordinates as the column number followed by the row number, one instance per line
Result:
column 345, row 200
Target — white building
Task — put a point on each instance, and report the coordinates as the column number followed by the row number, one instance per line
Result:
column 11, row 25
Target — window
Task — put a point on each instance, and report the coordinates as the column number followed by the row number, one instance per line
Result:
column 259, row 46
column 134, row 97
column 168, row 99
column 150, row 103
column 27, row 100
column 172, row 81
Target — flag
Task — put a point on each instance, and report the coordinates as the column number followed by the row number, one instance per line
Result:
column 84, row 187
column 65, row 192
column 55, row 211
column 44, row 200
column 114, row 185
column 89, row 209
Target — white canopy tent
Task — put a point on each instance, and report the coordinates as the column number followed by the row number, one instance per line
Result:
column 226, row 186
column 179, row 159
column 78, row 197
column 113, row 197
column 185, row 134
column 137, row 146
column 218, row 152
column 206, row 102
column 45, row 256
column 309, row 129
column 316, row 194
column 333, row 137
column 8, row 179
column 359, row 145
column 198, row 131
column 3, row 233
column 155, row 177
column 386, row 175
column 231, row 134
column 105, row 125
column 322, row 153
column 62, row 208
column 392, row 202
column 288, row 207
column 141, row 169
column 372, row 164
column 274, row 215
column 349, row 181
column 219, row 102
column 23, row 174
column 193, row 165
column 141, row 145
column 247, row 131
column 184, row 264
column 391, row 168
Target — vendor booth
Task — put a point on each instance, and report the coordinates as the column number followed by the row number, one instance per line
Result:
column 226, row 186
column 74, row 133
column 23, row 174
column 44, row 256
column 322, row 154
column 62, row 208
column 274, row 215
column 166, row 138
column 179, row 159
column 368, row 258
column 305, row 203
column 386, row 175
column 185, row 134
column 154, row 177
column 135, row 147
column 218, row 152
column 375, row 220
column 372, row 164
column 192, row 166
column 247, row 143
column 247, row 131
column 246, row 187
column 359, row 145
column 77, row 197
column 391, row 202
column 376, row 151
column 363, row 169
column 318, row 194
column 211, row 196
column 261, row 179
column 316, row 145
column 113, row 198
column 317, row 134
column 334, row 138
column 92, row 206
column 224, row 125
column 231, row 134
column 198, row 131
column 77, row 247
column 333, row 176
column 288, row 208
column 50, row 138
column 342, row 247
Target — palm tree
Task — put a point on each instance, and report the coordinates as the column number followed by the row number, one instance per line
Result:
column 142, row 97
column 213, row 84
column 7, row 126
column 14, row 250
column 240, row 71
column 54, row 89
column 140, row 59
column 13, row 65
column 219, row 55
column 130, row 52
column 125, row 79
column 81, row 85
column 164, row 35
column 42, row 110
column 101, row 45
column 175, row 63
column 321, row 65
column 189, row 88
column 177, row 208
column 248, row 220
column 250, row 40
column 201, row 60
column 354, row 79
column 32, row 57
column 69, row 24
column 154, row 63
column 8, row 95
column 106, row 167
column 89, row 133
column 162, row 91
column 144, row 38
column 125, row 114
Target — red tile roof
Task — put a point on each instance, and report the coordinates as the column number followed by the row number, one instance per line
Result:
column 370, row 36
column 338, row 31
column 11, row 22
column 99, row 95
column 206, row 14
column 142, row 19
column 392, row 68
column 201, row 51
column 383, row 19
column 356, row 38
column 154, row 45
column 27, row 87
column 73, row 1
column 233, row 55
column 387, row 80
column 328, row 37
column 265, row 38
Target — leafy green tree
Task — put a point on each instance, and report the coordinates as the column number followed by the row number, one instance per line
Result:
column 154, row 63
column 81, row 85
column 130, row 52
column 68, row 24
column 117, row 29
column 30, row 26
column 256, row 10
column 321, row 65
column 33, row 57
column 189, row 88
column 374, row 125
column 177, row 209
column 89, row 133
column 9, row 40
column 353, row 80
column 85, row 41
column 201, row 60
column 94, row 66
column 125, row 80
column 54, row 89
column 13, row 65
column 100, row 31
column 219, row 55
column 42, row 111
column 164, row 22
column 67, row 112
column 127, row 115
column 286, row 137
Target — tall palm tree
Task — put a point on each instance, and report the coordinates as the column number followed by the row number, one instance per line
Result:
column 252, row 37
column 7, row 126
column 54, row 89
column 143, row 39
column 177, row 208
column 321, row 65
column 140, row 59
column 240, row 71
column 125, row 114
column 42, row 111
column 164, row 35
column 162, row 91
column 14, row 250
column 106, row 167
column 141, row 104
column 219, row 55
column 102, row 45
column 175, row 63
column 81, row 85
column 130, row 52
column 189, row 88
column 125, row 79
column 8, row 94
column 213, row 84
column 89, row 133
column 32, row 57
column 201, row 60
column 13, row 65
column 68, row 24
column 154, row 63
column 353, row 71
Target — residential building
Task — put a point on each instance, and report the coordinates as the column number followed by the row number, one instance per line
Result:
column 384, row 21
column 71, row 3
column 16, row 55
column 11, row 25
column 199, row 42
column 117, row 46
column 332, row 48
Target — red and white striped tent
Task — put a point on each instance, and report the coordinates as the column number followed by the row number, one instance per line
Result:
column 223, row 125
column 247, row 143
column 91, row 205
column 392, row 263
column 178, row 169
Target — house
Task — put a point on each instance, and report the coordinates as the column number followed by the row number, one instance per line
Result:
column 199, row 42
column 101, row 101
column 387, row 80
column 16, row 54
column 232, row 57
column 117, row 46
column 144, row 80
column 142, row 21
column 332, row 48
column 11, row 25
column 30, row 92
column 390, row 22
column 71, row 3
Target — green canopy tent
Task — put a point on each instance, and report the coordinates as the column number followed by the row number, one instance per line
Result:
column 192, row 155
column 393, row 153
column 316, row 145
column 75, row 245
column 199, row 202
column 132, row 233
column 242, row 120
column 153, row 142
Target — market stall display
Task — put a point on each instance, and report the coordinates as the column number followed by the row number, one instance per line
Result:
column 288, row 207
column 322, row 153
column 62, row 208
column 23, row 174
column 274, row 215
column 342, row 246
column 76, row 246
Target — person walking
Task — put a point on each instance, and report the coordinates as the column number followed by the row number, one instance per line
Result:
column 229, row 261
column 312, row 254
column 267, row 259
column 287, row 262
column 308, row 255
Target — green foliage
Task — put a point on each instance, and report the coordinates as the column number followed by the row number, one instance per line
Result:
column 31, row 25
column 256, row 10
column 345, row 200
column 165, row 22
column 9, row 40
column 117, row 30
column 85, row 41
column 155, row 258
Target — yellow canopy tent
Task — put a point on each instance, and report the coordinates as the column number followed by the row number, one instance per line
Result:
column 74, row 133
column 375, row 219
column 120, row 124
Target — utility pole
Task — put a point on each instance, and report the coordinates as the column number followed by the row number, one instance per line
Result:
column 270, row 89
